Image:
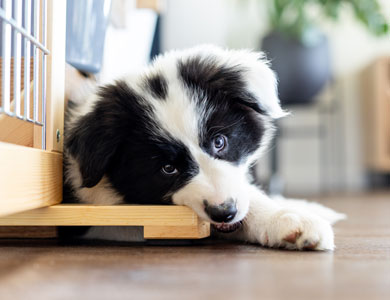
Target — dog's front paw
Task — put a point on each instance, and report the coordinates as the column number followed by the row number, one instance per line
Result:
column 294, row 230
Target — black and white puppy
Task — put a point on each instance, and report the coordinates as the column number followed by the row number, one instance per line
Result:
column 186, row 131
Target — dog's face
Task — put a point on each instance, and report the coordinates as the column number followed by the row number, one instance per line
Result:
column 185, row 132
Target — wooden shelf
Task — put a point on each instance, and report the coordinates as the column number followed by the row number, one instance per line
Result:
column 159, row 222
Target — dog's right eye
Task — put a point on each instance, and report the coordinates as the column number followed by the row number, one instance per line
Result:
column 169, row 169
column 219, row 143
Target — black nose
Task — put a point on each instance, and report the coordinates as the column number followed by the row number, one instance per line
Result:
column 224, row 212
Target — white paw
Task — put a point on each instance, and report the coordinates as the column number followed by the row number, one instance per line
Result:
column 302, row 231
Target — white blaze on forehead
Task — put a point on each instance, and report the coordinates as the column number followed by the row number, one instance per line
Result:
column 177, row 115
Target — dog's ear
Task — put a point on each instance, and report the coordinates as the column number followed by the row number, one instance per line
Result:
column 262, row 84
column 94, row 139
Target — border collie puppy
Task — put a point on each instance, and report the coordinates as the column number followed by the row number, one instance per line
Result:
column 186, row 131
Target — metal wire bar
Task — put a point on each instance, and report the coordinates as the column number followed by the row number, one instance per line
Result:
column 17, row 57
column 35, row 60
column 6, row 56
column 27, row 49
column 44, row 14
column 39, row 49
column 23, row 31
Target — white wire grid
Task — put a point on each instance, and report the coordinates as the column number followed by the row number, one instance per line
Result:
column 20, row 30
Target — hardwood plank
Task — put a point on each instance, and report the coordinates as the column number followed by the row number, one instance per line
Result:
column 29, row 178
column 28, row 232
column 358, row 269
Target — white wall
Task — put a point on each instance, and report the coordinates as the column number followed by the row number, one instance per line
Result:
column 221, row 22
column 241, row 24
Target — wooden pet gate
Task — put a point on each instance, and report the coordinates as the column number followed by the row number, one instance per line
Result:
column 31, row 127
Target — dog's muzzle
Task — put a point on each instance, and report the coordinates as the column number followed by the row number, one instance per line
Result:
column 224, row 212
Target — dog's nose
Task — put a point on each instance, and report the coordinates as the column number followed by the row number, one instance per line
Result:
column 224, row 212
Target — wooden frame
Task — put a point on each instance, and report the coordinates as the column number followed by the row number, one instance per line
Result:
column 168, row 222
column 32, row 178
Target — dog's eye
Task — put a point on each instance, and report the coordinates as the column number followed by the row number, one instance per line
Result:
column 169, row 169
column 220, row 142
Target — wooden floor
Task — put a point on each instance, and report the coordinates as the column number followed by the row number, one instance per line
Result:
column 358, row 269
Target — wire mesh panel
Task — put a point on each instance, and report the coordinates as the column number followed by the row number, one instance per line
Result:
column 23, row 61
column 31, row 103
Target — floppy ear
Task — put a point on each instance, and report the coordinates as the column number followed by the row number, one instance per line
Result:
column 262, row 83
column 94, row 139
column 92, row 143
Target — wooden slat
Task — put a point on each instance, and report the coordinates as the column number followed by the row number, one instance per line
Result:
column 29, row 178
column 174, row 232
column 159, row 222
column 104, row 215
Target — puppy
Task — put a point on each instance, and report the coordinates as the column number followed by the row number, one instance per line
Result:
column 186, row 131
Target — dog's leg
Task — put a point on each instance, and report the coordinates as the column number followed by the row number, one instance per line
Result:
column 315, row 208
column 272, row 224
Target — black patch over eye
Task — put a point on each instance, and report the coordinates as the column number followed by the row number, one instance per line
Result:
column 169, row 169
column 219, row 142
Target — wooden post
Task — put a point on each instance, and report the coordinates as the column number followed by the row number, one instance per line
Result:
column 29, row 178
column 56, row 29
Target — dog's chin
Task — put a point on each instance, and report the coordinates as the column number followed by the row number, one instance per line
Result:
column 227, row 227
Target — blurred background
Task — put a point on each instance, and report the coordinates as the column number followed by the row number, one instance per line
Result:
column 332, row 58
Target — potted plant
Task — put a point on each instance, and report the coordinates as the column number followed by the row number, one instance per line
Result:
column 299, row 50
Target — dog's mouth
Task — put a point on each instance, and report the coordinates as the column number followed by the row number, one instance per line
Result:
column 227, row 228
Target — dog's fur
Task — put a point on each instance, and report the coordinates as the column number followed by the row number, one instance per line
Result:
column 119, row 139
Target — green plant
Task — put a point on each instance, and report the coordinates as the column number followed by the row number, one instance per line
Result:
column 291, row 17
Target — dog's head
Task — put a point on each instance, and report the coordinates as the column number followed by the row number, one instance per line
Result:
column 186, row 131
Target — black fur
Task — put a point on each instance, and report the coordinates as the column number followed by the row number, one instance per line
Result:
column 242, row 127
column 219, row 82
column 157, row 85
column 227, row 102
column 120, row 140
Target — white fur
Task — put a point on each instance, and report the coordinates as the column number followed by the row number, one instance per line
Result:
column 217, row 182
column 101, row 194
column 298, row 204
column 270, row 222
